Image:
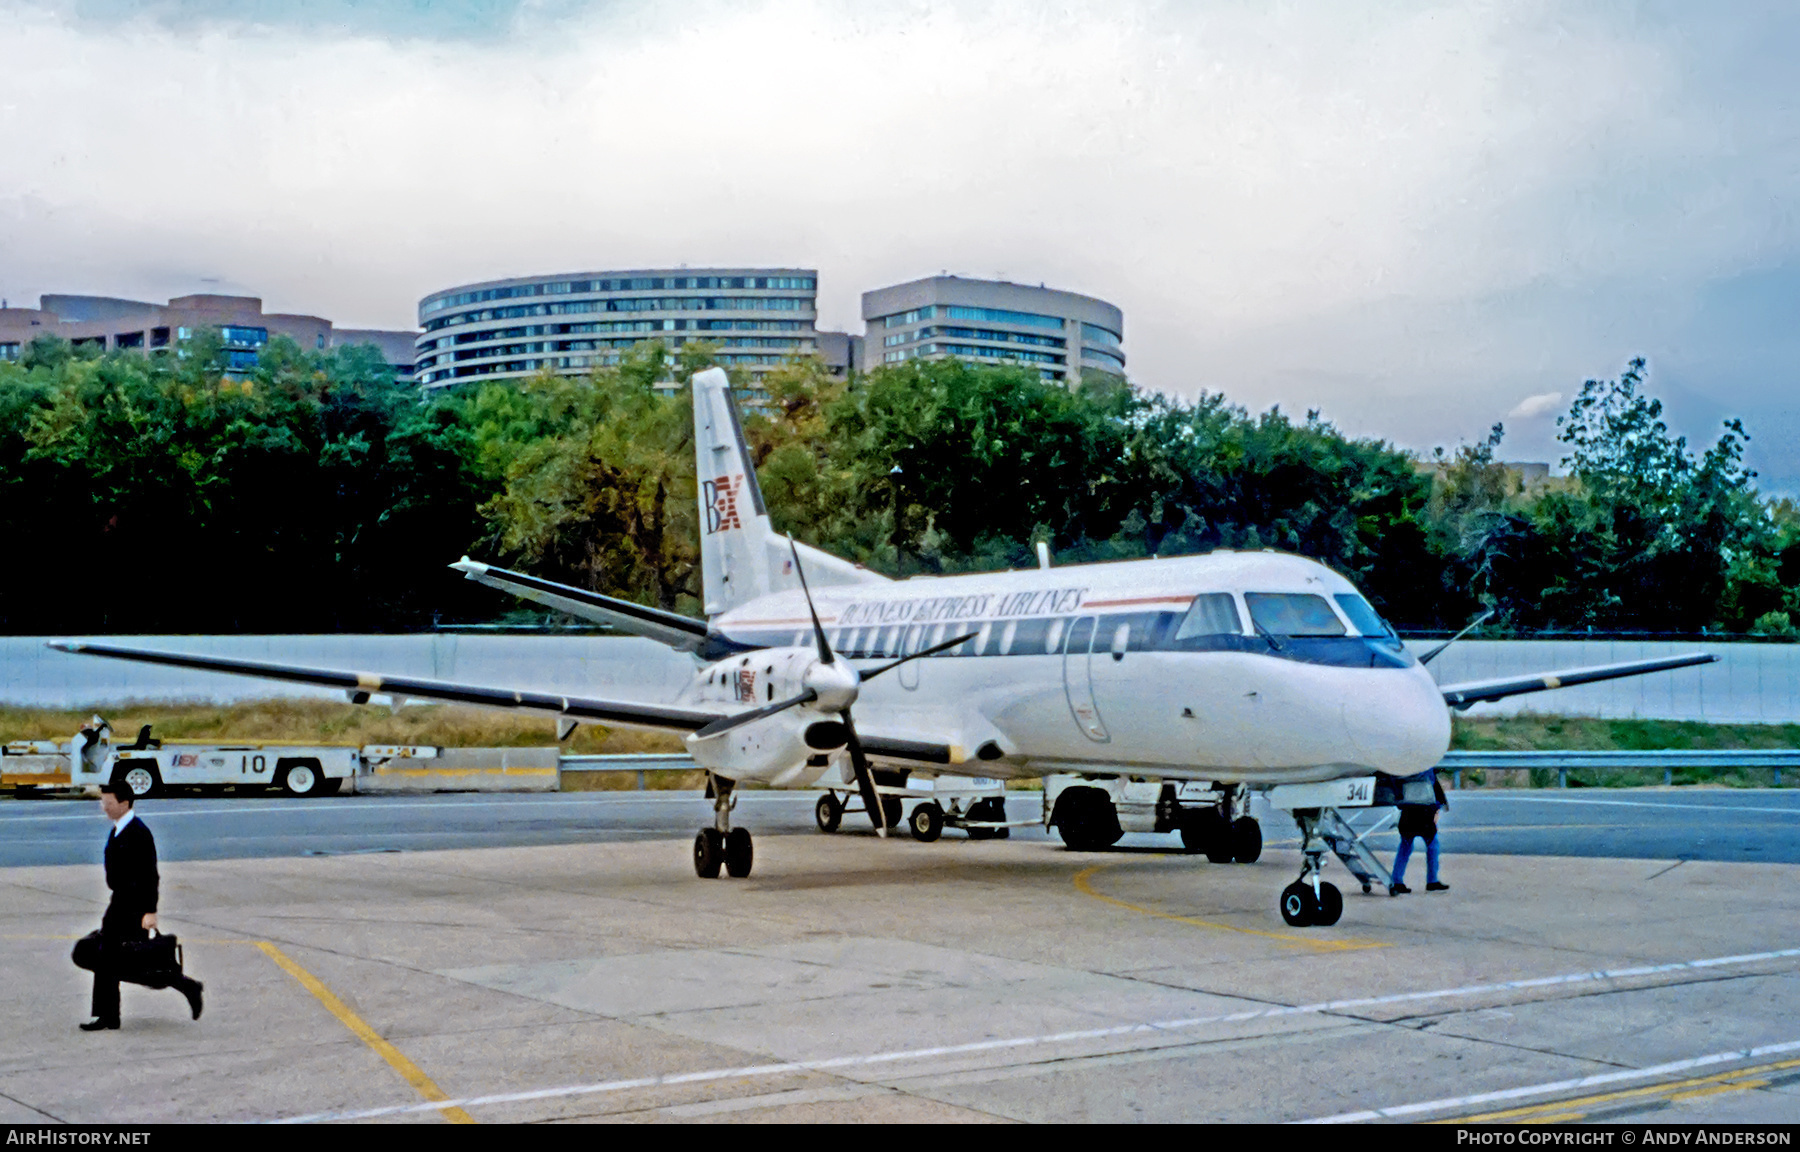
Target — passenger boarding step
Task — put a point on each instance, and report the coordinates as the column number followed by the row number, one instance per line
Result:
column 1349, row 846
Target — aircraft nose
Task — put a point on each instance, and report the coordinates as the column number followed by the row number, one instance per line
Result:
column 1401, row 726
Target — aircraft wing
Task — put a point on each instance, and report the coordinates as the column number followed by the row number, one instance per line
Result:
column 679, row 632
column 1478, row 691
column 575, row 707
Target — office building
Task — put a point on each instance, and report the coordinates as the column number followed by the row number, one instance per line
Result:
column 112, row 324
column 575, row 321
column 1064, row 335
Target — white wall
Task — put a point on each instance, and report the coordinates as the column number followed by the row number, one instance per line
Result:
column 617, row 667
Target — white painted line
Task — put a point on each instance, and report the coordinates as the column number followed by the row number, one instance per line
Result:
column 1557, row 1086
column 1724, row 808
column 1016, row 1042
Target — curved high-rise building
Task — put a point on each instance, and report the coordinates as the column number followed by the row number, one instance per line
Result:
column 1062, row 334
column 574, row 321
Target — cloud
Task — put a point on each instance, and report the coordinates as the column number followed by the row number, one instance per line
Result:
column 1394, row 213
column 1532, row 407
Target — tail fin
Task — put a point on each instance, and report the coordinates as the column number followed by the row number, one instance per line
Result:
column 741, row 556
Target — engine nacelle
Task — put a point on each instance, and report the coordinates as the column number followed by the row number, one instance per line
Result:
column 775, row 750
column 788, row 750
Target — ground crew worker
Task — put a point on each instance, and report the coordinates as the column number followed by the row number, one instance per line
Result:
column 1420, row 820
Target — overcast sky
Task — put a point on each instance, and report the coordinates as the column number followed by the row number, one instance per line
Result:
column 1418, row 219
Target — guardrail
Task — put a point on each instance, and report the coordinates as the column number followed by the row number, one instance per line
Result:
column 1668, row 760
column 639, row 762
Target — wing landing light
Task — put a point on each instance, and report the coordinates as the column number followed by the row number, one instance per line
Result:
column 1480, row 691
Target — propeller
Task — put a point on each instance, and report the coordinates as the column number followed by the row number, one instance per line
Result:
column 859, row 761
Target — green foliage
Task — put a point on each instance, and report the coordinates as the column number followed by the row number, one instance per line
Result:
column 1644, row 537
column 160, row 493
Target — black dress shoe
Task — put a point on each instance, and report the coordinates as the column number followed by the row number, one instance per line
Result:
column 97, row 1024
column 1434, row 886
column 195, row 1002
column 1399, row 890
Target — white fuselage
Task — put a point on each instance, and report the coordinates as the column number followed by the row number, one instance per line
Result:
column 1232, row 666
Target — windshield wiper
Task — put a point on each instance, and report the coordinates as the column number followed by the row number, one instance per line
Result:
column 1267, row 635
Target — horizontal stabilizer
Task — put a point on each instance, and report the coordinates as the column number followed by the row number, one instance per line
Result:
column 679, row 632
column 365, row 684
column 1480, row 691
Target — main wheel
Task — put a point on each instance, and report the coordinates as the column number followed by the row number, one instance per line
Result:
column 829, row 812
column 1331, row 905
column 1086, row 820
column 709, row 853
column 1298, row 905
column 927, row 822
column 331, row 785
column 301, row 778
column 739, row 853
column 1246, row 840
column 890, row 809
column 1201, row 830
column 141, row 779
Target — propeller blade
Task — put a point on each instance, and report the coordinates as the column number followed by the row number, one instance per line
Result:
column 865, row 779
column 727, row 723
column 931, row 651
column 825, row 656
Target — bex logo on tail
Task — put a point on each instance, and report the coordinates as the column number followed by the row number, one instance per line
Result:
column 721, row 503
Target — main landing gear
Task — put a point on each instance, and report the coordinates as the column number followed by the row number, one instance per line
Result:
column 1310, row 901
column 722, row 844
column 1225, row 832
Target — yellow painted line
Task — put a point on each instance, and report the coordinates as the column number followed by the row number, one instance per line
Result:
column 1084, row 885
column 409, row 1071
column 1737, row 1080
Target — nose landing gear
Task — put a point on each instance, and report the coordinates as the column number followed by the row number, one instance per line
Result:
column 723, row 845
column 1311, row 901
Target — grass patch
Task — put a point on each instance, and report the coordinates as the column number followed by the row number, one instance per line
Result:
column 327, row 722
column 1564, row 733
column 1582, row 733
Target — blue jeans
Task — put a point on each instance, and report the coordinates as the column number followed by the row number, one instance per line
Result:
column 1405, row 854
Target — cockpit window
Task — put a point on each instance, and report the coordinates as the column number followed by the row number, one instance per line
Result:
column 1293, row 614
column 1366, row 619
column 1213, row 614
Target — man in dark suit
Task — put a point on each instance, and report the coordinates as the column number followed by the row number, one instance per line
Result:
column 131, row 874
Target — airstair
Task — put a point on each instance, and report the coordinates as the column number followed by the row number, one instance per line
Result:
column 1347, row 842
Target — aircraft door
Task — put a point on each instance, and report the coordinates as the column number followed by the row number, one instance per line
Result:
column 1078, row 680
column 911, row 640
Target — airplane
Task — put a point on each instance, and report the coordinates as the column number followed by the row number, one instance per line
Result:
column 1222, row 673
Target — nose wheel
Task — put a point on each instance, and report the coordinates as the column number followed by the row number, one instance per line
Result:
column 722, row 846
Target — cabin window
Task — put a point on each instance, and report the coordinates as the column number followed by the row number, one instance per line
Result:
column 937, row 636
column 1366, row 619
column 981, row 639
column 1007, row 635
column 1293, row 614
column 1211, row 614
column 800, row 638
column 1054, row 640
column 890, row 644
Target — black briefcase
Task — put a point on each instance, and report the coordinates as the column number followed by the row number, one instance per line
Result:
column 154, row 962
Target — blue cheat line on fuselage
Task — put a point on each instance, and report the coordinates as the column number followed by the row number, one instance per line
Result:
column 1210, row 625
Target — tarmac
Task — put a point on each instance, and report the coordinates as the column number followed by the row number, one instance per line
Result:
column 850, row 979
